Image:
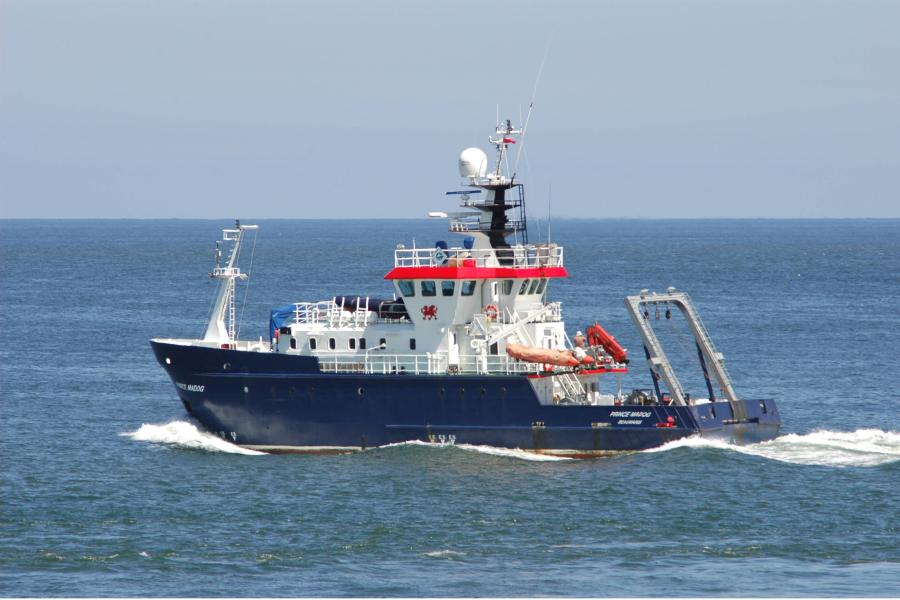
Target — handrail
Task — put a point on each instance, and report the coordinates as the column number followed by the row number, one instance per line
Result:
column 430, row 363
column 530, row 256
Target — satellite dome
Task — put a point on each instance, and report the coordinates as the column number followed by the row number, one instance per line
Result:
column 472, row 163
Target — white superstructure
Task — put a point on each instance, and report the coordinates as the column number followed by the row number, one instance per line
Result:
column 457, row 308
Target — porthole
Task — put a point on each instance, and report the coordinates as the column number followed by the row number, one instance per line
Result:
column 483, row 392
column 360, row 391
column 462, row 392
column 246, row 389
column 226, row 366
column 168, row 361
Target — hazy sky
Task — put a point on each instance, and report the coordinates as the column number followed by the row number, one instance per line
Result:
column 259, row 109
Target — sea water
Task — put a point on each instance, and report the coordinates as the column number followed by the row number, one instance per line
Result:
column 108, row 488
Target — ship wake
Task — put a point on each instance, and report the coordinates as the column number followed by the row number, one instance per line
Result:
column 514, row 453
column 183, row 434
column 860, row 448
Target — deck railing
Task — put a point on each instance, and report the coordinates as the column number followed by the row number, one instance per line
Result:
column 335, row 315
column 431, row 363
column 532, row 255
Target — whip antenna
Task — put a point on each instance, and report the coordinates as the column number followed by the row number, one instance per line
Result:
column 537, row 81
column 549, row 206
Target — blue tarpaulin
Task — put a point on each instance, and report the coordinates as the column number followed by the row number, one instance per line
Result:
column 279, row 316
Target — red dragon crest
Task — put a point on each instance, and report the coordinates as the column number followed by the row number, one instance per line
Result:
column 429, row 312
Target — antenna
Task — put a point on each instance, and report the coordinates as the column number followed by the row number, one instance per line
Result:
column 549, row 205
column 537, row 81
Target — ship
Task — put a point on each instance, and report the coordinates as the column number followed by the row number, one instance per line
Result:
column 470, row 349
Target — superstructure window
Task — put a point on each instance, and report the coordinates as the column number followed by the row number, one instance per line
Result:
column 293, row 343
column 507, row 286
column 407, row 288
column 382, row 343
column 352, row 343
column 534, row 284
column 331, row 343
column 468, row 287
column 312, row 343
column 412, row 343
column 428, row 288
column 541, row 287
column 362, row 343
column 524, row 286
column 448, row 287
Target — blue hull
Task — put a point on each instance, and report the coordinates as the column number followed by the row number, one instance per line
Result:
column 278, row 402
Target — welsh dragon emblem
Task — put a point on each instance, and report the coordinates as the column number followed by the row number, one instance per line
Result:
column 429, row 312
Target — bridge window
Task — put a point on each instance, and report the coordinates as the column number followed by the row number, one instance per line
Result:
column 507, row 286
column 534, row 284
column 448, row 287
column 362, row 343
column 407, row 288
column 312, row 343
column 524, row 286
column 331, row 343
column 468, row 287
column 428, row 288
column 352, row 343
column 541, row 287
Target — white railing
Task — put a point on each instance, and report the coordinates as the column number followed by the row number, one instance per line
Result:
column 430, row 363
column 461, row 226
column 329, row 313
column 532, row 255
column 333, row 314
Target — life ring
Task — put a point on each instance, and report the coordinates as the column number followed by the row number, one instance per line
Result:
column 491, row 312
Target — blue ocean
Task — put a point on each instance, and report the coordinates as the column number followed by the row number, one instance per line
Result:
column 107, row 488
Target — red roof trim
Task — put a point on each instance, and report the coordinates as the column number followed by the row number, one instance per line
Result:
column 474, row 272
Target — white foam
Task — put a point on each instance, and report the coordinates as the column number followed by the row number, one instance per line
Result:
column 512, row 453
column 860, row 448
column 444, row 553
column 491, row 450
column 185, row 435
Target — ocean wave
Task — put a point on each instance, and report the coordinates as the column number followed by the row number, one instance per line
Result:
column 445, row 554
column 860, row 448
column 183, row 434
column 490, row 450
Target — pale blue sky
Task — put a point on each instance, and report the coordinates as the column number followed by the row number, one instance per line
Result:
column 258, row 109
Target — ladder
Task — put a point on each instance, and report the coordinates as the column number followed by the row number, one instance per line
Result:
column 571, row 387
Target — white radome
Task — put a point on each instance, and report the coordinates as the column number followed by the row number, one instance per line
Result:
column 472, row 163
